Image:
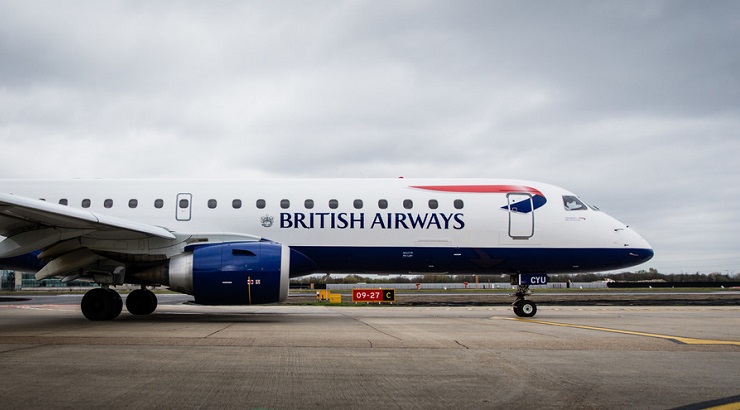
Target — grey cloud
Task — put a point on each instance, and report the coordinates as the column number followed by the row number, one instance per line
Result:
column 632, row 105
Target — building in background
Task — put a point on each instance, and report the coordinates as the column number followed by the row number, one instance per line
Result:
column 10, row 280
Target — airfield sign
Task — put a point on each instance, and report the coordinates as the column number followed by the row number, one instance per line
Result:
column 373, row 295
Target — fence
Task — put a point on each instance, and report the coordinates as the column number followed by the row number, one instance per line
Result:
column 458, row 286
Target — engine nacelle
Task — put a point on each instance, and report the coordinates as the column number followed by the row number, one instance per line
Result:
column 236, row 273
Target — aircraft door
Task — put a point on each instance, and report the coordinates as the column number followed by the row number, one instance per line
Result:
column 183, row 204
column 521, row 215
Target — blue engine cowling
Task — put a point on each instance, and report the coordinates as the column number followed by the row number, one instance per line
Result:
column 236, row 273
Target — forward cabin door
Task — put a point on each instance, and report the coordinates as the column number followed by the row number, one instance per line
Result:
column 521, row 216
column 184, row 204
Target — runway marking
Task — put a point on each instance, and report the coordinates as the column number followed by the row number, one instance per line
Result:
column 678, row 339
column 727, row 403
column 728, row 406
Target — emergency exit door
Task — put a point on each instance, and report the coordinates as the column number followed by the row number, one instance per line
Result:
column 521, row 216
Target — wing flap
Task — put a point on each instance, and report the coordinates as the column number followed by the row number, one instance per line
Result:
column 68, row 263
column 29, row 241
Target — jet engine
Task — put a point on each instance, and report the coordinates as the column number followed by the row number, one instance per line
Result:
column 235, row 273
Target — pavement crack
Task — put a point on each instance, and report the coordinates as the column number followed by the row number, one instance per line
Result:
column 372, row 327
column 462, row 345
column 217, row 331
column 12, row 351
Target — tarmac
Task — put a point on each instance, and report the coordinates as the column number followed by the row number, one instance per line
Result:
column 363, row 357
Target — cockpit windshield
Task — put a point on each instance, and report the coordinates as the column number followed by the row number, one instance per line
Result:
column 573, row 203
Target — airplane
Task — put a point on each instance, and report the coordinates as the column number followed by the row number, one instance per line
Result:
column 238, row 242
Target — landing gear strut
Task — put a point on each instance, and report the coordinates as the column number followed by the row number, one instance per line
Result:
column 101, row 304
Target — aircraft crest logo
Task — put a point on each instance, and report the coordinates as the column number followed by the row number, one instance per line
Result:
column 267, row 221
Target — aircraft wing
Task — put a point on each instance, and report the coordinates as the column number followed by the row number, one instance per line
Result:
column 27, row 225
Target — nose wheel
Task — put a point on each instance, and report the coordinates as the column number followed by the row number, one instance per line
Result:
column 523, row 307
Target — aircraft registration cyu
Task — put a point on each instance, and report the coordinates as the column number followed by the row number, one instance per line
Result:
column 237, row 242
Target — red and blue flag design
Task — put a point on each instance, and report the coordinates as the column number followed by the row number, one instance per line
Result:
column 524, row 206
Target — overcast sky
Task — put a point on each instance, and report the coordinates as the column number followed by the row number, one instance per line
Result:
column 635, row 106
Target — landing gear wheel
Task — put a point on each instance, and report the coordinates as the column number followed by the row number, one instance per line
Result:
column 526, row 308
column 523, row 307
column 117, row 304
column 516, row 306
column 154, row 300
column 141, row 302
column 101, row 304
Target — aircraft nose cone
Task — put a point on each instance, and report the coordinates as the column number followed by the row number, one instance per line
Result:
column 642, row 255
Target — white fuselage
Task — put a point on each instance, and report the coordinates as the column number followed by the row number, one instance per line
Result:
column 340, row 223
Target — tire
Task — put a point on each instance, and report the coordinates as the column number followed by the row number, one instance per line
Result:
column 141, row 302
column 517, row 307
column 117, row 304
column 527, row 308
column 154, row 301
column 98, row 304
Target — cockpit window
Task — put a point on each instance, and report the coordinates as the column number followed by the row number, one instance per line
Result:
column 572, row 203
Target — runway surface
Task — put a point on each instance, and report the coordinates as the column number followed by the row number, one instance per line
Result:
column 282, row 357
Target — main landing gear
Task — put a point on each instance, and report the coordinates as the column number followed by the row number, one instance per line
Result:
column 106, row 304
column 101, row 304
column 523, row 307
column 141, row 302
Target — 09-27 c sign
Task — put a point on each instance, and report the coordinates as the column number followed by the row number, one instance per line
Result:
column 373, row 295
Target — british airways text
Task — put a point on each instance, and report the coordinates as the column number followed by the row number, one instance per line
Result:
column 352, row 220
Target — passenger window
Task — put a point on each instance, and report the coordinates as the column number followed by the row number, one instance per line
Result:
column 358, row 203
column 133, row 203
column 284, row 203
column 333, row 204
column 85, row 203
column 212, row 203
column 108, row 203
column 236, row 204
column 261, row 204
column 308, row 203
column 572, row 203
column 433, row 204
column 382, row 204
column 63, row 202
column 408, row 204
column 158, row 203
column 458, row 204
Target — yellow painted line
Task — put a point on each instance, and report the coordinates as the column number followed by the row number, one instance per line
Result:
column 728, row 403
column 728, row 406
column 679, row 339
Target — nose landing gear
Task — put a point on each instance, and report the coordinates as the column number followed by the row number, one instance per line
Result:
column 521, row 306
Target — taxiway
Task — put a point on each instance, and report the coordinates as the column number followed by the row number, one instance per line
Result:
column 278, row 356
